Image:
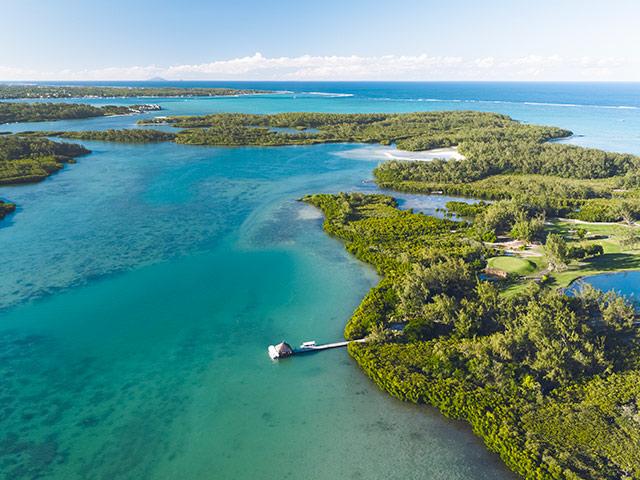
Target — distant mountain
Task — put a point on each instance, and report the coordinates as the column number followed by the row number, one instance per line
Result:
column 157, row 79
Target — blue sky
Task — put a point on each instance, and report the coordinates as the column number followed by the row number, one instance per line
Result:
column 329, row 40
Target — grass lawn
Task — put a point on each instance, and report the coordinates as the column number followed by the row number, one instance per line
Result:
column 563, row 227
column 613, row 260
column 520, row 266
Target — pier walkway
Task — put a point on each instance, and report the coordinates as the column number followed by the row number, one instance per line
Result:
column 284, row 350
column 314, row 348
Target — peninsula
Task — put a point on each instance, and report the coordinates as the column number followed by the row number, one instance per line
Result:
column 549, row 381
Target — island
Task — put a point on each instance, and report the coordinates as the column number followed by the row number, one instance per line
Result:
column 11, row 112
column 6, row 208
column 408, row 131
column 31, row 160
column 470, row 314
column 81, row 91
column 139, row 135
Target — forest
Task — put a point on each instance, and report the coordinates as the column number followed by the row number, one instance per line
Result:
column 11, row 112
column 408, row 131
column 9, row 92
column 30, row 160
column 549, row 381
column 561, row 180
column 140, row 135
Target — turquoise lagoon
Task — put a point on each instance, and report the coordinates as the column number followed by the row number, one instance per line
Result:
column 141, row 288
column 142, row 285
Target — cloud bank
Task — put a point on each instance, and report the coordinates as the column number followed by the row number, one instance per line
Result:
column 387, row 67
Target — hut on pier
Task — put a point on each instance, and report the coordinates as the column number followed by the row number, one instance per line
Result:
column 281, row 350
column 284, row 349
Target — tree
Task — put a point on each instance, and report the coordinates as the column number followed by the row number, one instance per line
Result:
column 627, row 216
column 450, row 277
column 527, row 229
column 627, row 237
column 557, row 251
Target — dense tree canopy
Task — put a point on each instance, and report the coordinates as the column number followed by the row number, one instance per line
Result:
column 41, row 112
column 140, row 135
column 545, row 379
column 28, row 160
column 409, row 131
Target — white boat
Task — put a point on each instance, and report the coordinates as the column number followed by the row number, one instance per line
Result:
column 272, row 352
column 308, row 345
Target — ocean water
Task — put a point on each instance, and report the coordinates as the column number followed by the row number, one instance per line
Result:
column 142, row 285
column 601, row 115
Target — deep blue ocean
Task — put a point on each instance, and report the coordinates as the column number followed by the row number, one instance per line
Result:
column 610, row 94
column 142, row 285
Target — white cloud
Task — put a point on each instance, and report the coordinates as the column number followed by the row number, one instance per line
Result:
column 486, row 62
column 308, row 66
column 538, row 61
column 354, row 67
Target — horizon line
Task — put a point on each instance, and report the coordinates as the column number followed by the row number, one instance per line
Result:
column 323, row 81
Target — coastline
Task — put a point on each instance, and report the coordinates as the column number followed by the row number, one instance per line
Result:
column 419, row 369
column 446, row 394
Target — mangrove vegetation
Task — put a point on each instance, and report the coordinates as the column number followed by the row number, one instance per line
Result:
column 408, row 131
column 550, row 382
column 30, row 160
column 11, row 112
column 139, row 135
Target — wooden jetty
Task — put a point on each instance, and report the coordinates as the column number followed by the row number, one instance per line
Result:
column 284, row 350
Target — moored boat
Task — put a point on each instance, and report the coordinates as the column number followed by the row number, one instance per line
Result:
column 306, row 346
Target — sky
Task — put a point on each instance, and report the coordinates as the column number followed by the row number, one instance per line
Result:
column 424, row 40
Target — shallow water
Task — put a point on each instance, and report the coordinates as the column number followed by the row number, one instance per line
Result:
column 142, row 285
column 141, row 288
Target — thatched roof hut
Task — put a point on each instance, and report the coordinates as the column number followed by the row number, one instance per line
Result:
column 284, row 349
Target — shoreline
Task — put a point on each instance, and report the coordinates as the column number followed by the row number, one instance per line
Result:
column 449, row 153
column 410, row 365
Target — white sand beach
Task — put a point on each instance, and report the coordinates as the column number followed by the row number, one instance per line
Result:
column 380, row 153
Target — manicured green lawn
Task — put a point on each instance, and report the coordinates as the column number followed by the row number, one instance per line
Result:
column 613, row 260
column 516, row 265
column 591, row 229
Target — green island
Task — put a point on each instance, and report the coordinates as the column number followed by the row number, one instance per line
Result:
column 469, row 316
column 8, row 92
column 30, row 160
column 409, row 131
column 11, row 112
column 6, row 208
